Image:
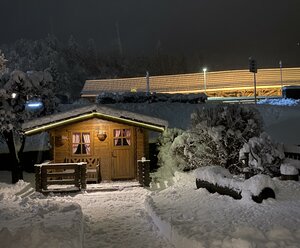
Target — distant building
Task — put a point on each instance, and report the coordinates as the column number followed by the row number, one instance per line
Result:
column 217, row 84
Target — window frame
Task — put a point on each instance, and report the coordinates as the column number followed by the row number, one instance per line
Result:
column 122, row 137
column 81, row 143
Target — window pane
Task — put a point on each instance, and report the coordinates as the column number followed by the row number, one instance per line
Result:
column 122, row 137
column 118, row 142
column 126, row 132
column 125, row 142
column 117, row 133
column 81, row 143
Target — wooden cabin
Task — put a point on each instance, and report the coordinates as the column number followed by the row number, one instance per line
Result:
column 110, row 141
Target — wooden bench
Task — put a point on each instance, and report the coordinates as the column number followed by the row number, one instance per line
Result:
column 93, row 174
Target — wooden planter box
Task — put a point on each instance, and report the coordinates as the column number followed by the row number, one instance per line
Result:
column 290, row 177
column 235, row 194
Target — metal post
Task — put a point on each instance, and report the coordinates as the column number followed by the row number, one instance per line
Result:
column 38, row 178
column 255, row 99
column 280, row 65
column 204, row 79
column 148, row 84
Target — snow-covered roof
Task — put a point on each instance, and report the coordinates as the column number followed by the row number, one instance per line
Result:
column 93, row 111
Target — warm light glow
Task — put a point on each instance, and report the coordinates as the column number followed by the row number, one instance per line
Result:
column 204, row 69
column 14, row 95
column 93, row 115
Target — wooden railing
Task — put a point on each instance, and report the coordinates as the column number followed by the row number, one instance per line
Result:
column 60, row 174
column 92, row 167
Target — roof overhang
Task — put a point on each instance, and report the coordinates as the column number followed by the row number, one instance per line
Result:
column 123, row 120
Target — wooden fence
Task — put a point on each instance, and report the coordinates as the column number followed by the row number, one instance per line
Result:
column 292, row 151
column 60, row 174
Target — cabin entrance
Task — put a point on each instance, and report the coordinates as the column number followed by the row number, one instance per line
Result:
column 122, row 154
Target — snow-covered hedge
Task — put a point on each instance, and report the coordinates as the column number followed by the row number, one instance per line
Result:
column 139, row 97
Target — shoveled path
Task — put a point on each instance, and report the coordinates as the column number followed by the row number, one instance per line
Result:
column 118, row 219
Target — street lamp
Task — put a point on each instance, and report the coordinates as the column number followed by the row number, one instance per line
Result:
column 204, row 78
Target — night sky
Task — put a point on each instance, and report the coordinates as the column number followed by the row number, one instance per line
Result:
column 220, row 32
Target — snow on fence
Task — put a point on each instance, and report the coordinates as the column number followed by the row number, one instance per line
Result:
column 218, row 179
column 51, row 177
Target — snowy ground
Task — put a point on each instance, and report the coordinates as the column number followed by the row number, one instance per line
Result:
column 183, row 215
column 135, row 217
column 90, row 220
column 192, row 217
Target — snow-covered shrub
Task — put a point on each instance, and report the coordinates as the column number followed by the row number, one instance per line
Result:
column 192, row 150
column 167, row 161
column 2, row 63
column 216, row 136
column 287, row 169
column 139, row 97
column 264, row 155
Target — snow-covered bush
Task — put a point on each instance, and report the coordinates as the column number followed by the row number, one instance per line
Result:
column 216, row 136
column 287, row 169
column 264, row 155
column 192, row 151
column 139, row 97
column 167, row 161
column 2, row 63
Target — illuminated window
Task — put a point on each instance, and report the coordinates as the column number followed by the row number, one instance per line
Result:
column 122, row 137
column 81, row 143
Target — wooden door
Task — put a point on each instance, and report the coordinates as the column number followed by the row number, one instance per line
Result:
column 123, row 154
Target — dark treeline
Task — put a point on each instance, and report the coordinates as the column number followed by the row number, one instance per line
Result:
column 70, row 64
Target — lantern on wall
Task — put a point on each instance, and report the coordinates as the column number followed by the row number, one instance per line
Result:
column 101, row 135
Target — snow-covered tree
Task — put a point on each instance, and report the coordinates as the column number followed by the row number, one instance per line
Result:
column 16, row 90
column 167, row 161
column 2, row 63
column 263, row 155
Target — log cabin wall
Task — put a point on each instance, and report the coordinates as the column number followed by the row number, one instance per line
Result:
column 105, row 150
